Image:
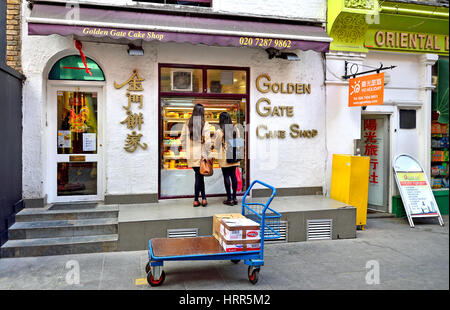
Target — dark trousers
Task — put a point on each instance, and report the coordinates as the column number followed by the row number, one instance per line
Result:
column 230, row 173
column 199, row 186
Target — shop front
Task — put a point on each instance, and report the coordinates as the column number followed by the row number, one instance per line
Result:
column 107, row 96
column 411, row 37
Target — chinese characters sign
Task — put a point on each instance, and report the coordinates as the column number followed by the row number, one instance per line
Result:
column 366, row 90
column 133, row 121
column 373, row 146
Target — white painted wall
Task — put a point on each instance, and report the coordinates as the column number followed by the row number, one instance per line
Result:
column 311, row 9
column 409, row 87
column 298, row 163
column 314, row 10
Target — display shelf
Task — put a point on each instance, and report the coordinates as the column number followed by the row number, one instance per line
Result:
column 173, row 115
column 439, row 156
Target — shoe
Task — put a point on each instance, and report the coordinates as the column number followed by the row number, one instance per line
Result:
column 235, row 202
column 196, row 204
column 204, row 202
column 228, row 202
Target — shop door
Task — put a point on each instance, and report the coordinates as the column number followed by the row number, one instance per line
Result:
column 75, row 166
column 375, row 144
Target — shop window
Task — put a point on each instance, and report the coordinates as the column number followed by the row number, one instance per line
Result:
column 407, row 119
column 218, row 89
column 227, row 81
column 176, row 177
column 187, row 80
column 73, row 68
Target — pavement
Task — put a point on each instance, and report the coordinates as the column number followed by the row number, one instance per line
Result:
column 387, row 255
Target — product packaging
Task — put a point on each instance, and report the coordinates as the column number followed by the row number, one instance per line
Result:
column 239, row 234
column 218, row 217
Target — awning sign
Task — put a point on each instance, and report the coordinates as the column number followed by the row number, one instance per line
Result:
column 366, row 90
column 130, row 23
column 416, row 193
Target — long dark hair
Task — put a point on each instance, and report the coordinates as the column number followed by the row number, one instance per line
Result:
column 197, row 131
column 225, row 123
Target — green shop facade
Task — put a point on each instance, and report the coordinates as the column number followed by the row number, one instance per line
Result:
column 413, row 36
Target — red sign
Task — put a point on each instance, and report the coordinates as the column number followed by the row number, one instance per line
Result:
column 252, row 234
column 366, row 90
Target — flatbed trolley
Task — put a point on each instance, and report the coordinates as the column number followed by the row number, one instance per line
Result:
column 209, row 248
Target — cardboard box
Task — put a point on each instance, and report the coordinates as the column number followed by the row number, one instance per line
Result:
column 239, row 229
column 218, row 217
column 239, row 245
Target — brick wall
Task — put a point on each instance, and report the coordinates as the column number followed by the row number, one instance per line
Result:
column 13, row 34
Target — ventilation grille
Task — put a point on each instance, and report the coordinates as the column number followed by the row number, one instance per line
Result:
column 182, row 233
column 319, row 229
column 282, row 227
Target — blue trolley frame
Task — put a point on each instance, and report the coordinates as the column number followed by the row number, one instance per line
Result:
column 254, row 259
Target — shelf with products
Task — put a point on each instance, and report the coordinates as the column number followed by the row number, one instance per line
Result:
column 439, row 156
column 177, row 111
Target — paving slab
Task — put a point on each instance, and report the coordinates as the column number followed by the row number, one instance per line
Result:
column 408, row 259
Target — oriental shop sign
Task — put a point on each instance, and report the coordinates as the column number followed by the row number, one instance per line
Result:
column 408, row 41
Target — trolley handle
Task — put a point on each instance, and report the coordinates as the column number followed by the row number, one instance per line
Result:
column 274, row 191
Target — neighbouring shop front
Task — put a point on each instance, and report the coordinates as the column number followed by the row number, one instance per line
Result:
column 105, row 104
column 414, row 38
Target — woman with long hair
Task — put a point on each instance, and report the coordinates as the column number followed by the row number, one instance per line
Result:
column 226, row 132
column 196, row 141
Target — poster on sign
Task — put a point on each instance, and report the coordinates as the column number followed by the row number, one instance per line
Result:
column 366, row 90
column 415, row 191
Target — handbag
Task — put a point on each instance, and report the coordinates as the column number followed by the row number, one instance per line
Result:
column 206, row 167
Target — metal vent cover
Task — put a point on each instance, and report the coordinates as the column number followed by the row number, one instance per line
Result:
column 182, row 233
column 319, row 229
column 282, row 227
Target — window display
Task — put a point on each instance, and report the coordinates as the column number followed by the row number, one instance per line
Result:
column 218, row 89
column 439, row 156
column 176, row 178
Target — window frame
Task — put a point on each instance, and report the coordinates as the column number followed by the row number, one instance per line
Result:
column 88, row 59
column 204, row 94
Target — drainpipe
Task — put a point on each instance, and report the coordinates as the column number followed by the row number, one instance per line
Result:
column 413, row 12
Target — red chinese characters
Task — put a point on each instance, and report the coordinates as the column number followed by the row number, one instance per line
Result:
column 371, row 147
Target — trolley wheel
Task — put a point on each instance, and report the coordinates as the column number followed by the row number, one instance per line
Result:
column 253, row 274
column 153, row 282
column 147, row 267
column 235, row 261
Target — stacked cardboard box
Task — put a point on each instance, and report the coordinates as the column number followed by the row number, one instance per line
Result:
column 239, row 234
column 218, row 217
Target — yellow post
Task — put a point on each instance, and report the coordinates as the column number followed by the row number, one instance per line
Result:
column 350, row 183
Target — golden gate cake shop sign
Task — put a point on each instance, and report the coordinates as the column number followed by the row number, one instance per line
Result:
column 265, row 108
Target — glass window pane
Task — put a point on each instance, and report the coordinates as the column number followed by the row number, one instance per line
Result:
column 176, row 177
column 77, row 178
column 186, row 80
column 72, row 68
column 227, row 81
column 77, row 122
